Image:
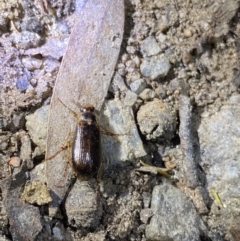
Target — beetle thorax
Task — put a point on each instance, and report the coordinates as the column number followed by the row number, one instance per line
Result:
column 89, row 117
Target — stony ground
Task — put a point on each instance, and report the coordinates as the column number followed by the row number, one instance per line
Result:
column 176, row 86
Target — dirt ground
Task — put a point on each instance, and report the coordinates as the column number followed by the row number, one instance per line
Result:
column 178, row 66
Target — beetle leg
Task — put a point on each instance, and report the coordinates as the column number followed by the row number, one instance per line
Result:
column 109, row 133
column 70, row 110
column 55, row 154
column 67, row 145
column 61, row 148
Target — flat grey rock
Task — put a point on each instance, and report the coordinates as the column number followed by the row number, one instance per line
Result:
column 173, row 211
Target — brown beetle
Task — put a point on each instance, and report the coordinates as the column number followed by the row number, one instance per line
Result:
column 86, row 159
column 86, row 150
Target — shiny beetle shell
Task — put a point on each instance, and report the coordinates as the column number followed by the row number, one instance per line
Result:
column 86, row 144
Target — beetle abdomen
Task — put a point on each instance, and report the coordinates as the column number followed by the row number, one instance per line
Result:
column 86, row 149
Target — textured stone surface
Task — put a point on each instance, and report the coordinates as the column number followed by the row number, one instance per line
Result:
column 150, row 46
column 83, row 205
column 130, row 98
column 26, row 39
column 118, row 119
column 155, row 67
column 37, row 126
column 138, row 86
column 36, row 192
column 173, row 211
column 26, row 150
column 147, row 94
column 24, row 219
column 219, row 141
column 157, row 120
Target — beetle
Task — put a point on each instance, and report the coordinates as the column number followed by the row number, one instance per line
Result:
column 86, row 159
column 86, row 156
column 86, row 147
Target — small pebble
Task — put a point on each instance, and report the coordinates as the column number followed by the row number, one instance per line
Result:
column 187, row 33
column 145, row 214
column 36, row 192
column 150, row 46
column 131, row 49
column 155, row 67
column 147, row 94
column 130, row 98
column 14, row 161
column 31, row 63
column 50, row 64
column 26, row 39
column 22, row 83
column 146, row 199
column 161, row 37
column 157, row 120
column 138, row 86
